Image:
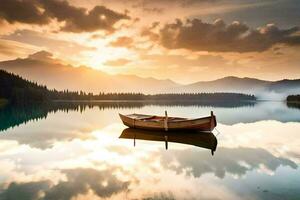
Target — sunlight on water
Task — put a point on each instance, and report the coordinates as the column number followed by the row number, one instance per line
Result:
column 79, row 155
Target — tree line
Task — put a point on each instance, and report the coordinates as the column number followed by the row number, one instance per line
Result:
column 18, row 90
column 293, row 98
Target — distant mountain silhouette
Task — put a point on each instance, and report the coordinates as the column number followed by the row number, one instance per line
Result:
column 229, row 83
column 261, row 88
column 42, row 68
column 286, row 85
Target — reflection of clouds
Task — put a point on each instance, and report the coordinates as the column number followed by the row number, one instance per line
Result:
column 44, row 134
column 25, row 191
column 97, row 164
column 281, row 139
column 103, row 183
column 235, row 161
column 45, row 139
column 79, row 181
column 119, row 150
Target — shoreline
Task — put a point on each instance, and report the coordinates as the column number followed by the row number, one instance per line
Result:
column 161, row 100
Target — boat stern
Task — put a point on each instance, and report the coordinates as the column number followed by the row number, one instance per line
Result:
column 213, row 122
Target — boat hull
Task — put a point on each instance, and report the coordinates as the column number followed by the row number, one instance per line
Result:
column 147, row 123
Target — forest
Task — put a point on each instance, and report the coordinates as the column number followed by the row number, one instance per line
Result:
column 17, row 90
column 293, row 98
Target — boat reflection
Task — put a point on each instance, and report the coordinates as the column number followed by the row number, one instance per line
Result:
column 205, row 140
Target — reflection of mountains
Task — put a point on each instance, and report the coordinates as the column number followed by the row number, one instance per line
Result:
column 11, row 116
column 205, row 140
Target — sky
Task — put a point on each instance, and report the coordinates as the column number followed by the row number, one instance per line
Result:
column 182, row 40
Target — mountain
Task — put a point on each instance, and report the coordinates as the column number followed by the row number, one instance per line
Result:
column 290, row 86
column 227, row 84
column 42, row 68
column 269, row 90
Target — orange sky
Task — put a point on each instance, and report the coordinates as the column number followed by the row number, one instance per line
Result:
column 182, row 40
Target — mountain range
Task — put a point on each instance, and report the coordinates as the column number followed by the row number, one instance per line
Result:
column 42, row 68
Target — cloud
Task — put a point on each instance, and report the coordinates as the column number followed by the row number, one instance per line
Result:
column 79, row 19
column 184, row 61
column 79, row 181
column 82, row 179
column 49, row 42
column 183, row 3
column 11, row 49
column 24, row 11
column 225, row 160
column 118, row 62
column 122, row 42
column 196, row 35
column 76, row 19
column 26, row 191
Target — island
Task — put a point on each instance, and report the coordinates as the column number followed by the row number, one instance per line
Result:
column 293, row 101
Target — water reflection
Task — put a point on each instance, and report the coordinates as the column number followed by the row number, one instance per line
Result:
column 293, row 105
column 235, row 161
column 11, row 116
column 77, row 154
column 79, row 181
column 205, row 140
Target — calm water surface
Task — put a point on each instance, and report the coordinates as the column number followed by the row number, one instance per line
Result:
column 76, row 153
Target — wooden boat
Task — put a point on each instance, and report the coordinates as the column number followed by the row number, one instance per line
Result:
column 205, row 140
column 152, row 122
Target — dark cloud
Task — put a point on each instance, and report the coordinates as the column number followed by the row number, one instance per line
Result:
column 24, row 11
column 25, row 191
column 219, row 37
column 76, row 19
column 79, row 19
column 122, row 42
column 162, row 6
column 82, row 179
column 225, row 160
column 183, row 3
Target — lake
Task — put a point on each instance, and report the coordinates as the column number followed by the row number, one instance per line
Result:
column 71, row 151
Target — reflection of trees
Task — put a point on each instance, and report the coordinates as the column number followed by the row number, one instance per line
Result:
column 293, row 104
column 11, row 116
